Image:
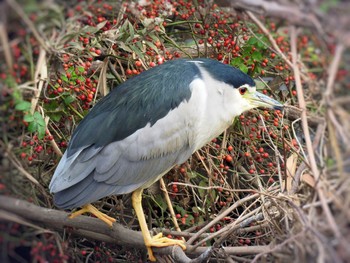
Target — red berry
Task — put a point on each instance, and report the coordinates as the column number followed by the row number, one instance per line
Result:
column 228, row 158
column 138, row 63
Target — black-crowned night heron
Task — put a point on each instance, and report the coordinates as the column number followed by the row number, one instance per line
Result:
column 146, row 126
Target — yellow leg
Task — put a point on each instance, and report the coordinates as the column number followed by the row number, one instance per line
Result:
column 156, row 241
column 92, row 210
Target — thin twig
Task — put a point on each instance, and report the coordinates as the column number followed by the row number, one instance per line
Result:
column 169, row 203
column 39, row 77
column 222, row 215
column 6, row 46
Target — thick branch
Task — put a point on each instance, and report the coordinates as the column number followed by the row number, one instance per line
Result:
column 93, row 228
column 82, row 225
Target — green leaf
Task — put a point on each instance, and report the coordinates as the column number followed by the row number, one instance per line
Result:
column 39, row 119
column 257, row 56
column 137, row 51
column 23, row 106
column 56, row 117
column 81, row 69
column 247, row 51
column 28, row 118
column 68, row 37
column 261, row 45
column 101, row 25
column 192, row 174
column 265, row 40
column 32, row 127
column 131, row 30
column 243, row 68
column 69, row 99
column 41, row 131
column 202, row 192
column 252, row 41
column 153, row 46
column 81, row 78
column 159, row 200
column 237, row 61
column 154, row 37
column 53, row 105
column 180, row 210
column 71, row 70
column 124, row 47
column 90, row 29
column 64, row 78
column 77, row 46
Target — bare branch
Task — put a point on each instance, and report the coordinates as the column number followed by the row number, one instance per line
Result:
column 94, row 228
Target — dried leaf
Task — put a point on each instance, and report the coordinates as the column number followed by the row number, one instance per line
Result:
column 291, row 166
column 308, row 179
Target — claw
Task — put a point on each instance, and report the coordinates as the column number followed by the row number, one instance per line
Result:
column 92, row 210
column 160, row 241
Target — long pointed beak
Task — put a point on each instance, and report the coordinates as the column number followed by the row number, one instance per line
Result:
column 261, row 100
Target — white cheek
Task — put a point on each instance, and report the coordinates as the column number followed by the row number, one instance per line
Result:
column 234, row 103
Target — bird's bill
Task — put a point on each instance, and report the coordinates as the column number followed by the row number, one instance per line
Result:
column 261, row 100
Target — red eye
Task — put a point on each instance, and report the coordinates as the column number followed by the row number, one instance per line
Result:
column 242, row 90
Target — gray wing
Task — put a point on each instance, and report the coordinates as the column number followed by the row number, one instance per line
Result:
column 124, row 166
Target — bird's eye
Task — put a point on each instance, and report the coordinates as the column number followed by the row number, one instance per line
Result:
column 242, row 91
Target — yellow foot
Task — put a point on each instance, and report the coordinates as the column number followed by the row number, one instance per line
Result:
column 160, row 241
column 92, row 210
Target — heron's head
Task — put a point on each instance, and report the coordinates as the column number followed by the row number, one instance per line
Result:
column 249, row 98
column 237, row 88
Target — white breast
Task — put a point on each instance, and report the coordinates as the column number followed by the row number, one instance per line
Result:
column 216, row 105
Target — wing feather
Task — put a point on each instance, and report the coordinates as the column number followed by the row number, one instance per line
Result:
column 123, row 166
column 94, row 167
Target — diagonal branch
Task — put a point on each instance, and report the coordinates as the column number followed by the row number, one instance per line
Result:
column 93, row 228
